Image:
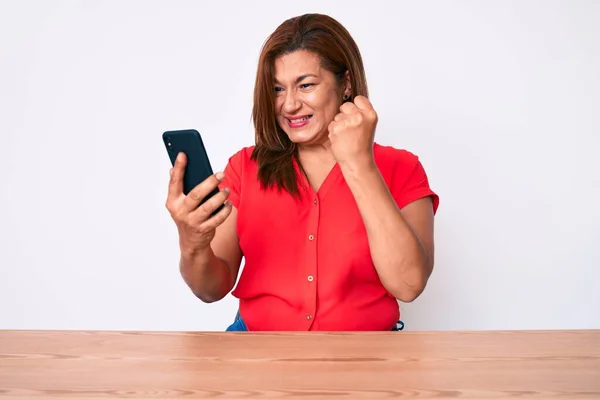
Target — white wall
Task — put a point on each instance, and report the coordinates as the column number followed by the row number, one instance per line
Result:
column 501, row 99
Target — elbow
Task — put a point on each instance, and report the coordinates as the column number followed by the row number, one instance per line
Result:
column 207, row 297
column 206, row 289
column 210, row 294
column 407, row 294
column 203, row 293
column 410, row 277
column 409, row 289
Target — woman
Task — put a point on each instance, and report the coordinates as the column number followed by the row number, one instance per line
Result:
column 334, row 228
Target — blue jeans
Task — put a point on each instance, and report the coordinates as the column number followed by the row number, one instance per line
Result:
column 239, row 325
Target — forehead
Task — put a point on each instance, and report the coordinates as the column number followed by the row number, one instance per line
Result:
column 298, row 63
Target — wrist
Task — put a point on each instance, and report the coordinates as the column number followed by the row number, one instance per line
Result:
column 190, row 251
column 359, row 168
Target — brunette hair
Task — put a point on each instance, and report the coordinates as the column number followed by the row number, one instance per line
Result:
column 322, row 35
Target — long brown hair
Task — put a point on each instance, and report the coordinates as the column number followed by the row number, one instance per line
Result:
column 274, row 151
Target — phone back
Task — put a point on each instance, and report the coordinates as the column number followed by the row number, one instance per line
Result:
column 198, row 166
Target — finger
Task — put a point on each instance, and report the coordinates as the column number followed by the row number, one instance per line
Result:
column 203, row 189
column 176, row 180
column 339, row 117
column 217, row 219
column 348, row 108
column 332, row 126
column 363, row 103
column 210, row 205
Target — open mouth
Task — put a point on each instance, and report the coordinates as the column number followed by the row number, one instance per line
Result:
column 299, row 122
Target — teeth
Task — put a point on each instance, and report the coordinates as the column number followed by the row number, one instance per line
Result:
column 295, row 121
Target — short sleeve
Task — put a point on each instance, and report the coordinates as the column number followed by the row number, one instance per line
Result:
column 233, row 178
column 411, row 183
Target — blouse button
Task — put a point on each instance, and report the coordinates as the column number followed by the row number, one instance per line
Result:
column 310, row 237
column 310, row 278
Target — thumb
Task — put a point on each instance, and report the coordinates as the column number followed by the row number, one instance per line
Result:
column 332, row 127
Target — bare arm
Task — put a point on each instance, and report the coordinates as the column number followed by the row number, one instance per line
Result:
column 211, row 272
column 401, row 241
column 210, row 253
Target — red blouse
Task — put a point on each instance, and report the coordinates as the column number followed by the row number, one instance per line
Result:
column 307, row 261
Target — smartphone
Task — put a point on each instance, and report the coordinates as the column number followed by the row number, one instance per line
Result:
column 198, row 166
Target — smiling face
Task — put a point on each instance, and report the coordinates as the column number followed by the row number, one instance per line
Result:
column 307, row 97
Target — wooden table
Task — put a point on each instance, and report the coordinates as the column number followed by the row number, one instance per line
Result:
column 244, row 365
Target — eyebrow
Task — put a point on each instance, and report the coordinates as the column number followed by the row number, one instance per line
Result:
column 301, row 78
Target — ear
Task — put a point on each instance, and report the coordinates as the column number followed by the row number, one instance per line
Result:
column 347, row 94
column 347, row 84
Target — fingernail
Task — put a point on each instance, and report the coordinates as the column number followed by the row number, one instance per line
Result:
column 220, row 176
column 226, row 190
column 179, row 156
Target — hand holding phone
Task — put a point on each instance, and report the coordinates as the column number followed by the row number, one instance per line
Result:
column 194, row 200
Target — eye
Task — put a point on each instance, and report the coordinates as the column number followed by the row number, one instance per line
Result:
column 306, row 85
column 277, row 89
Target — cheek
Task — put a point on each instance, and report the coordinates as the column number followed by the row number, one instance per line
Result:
column 278, row 105
column 326, row 106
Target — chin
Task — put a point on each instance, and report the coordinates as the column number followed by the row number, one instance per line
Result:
column 301, row 138
column 305, row 135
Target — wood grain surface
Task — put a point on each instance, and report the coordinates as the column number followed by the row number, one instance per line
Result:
column 244, row 365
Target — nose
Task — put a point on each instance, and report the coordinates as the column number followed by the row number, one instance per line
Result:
column 291, row 102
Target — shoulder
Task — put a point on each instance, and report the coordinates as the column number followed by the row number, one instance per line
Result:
column 243, row 155
column 404, row 174
column 239, row 163
column 241, row 160
column 390, row 158
column 239, row 170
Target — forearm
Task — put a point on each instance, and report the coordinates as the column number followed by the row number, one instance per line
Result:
column 209, row 278
column 399, row 256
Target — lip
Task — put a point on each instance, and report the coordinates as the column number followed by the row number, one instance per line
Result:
column 294, row 117
column 299, row 124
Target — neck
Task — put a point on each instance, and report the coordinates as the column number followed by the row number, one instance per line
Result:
column 316, row 152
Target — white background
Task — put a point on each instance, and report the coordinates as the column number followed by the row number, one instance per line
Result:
column 500, row 99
